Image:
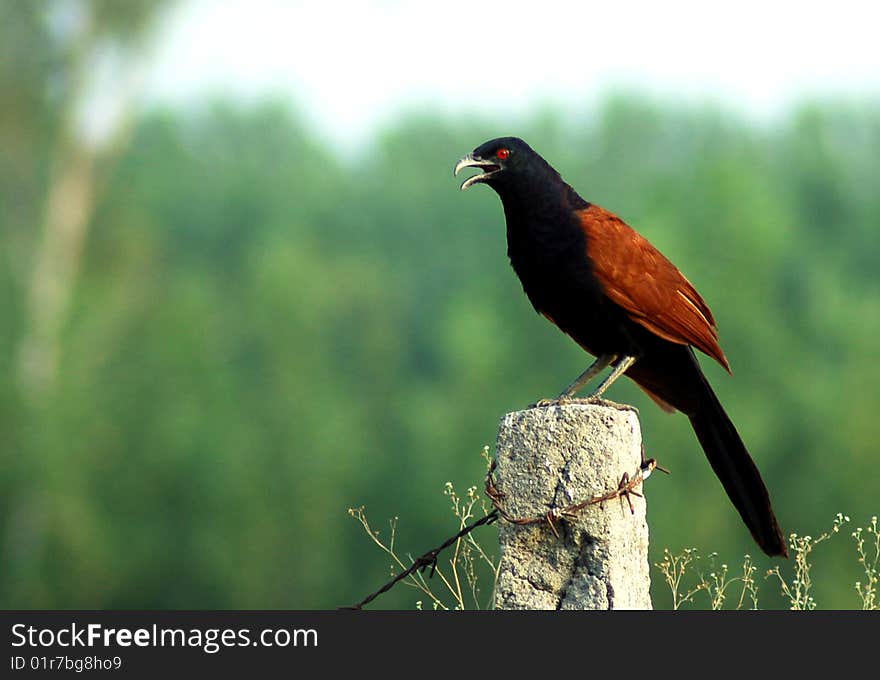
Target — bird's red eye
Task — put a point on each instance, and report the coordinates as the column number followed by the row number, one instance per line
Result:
column 503, row 153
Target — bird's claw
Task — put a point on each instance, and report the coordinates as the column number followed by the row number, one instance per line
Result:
column 558, row 401
column 591, row 401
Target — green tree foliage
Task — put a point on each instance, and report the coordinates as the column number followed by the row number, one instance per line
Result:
column 265, row 332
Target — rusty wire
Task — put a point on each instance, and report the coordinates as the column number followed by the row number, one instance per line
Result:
column 625, row 489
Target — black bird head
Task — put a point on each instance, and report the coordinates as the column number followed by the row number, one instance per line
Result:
column 523, row 180
column 503, row 162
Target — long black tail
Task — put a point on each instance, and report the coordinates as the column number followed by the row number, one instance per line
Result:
column 737, row 471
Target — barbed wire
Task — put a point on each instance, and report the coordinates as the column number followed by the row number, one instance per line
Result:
column 625, row 489
column 429, row 559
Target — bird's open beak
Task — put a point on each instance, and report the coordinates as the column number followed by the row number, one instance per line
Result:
column 470, row 161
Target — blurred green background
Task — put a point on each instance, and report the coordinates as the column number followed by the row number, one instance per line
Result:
column 219, row 332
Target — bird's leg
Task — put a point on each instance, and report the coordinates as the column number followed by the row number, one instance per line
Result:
column 592, row 371
column 624, row 363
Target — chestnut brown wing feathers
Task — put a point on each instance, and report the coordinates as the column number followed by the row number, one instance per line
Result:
column 655, row 294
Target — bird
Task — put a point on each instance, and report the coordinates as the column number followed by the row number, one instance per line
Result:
column 619, row 298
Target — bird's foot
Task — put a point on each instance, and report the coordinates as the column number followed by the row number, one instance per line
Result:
column 559, row 401
column 593, row 401
column 599, row 401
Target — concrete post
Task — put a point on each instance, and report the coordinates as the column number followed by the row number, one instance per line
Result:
column 550, row 458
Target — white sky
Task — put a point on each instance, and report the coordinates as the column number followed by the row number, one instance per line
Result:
column 351, row 65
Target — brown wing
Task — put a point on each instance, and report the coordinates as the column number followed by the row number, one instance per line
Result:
column 636, row 276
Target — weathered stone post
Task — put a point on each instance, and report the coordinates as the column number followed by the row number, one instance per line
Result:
column 550, row 458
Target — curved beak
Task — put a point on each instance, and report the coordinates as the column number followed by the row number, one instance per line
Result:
column 471, row 161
